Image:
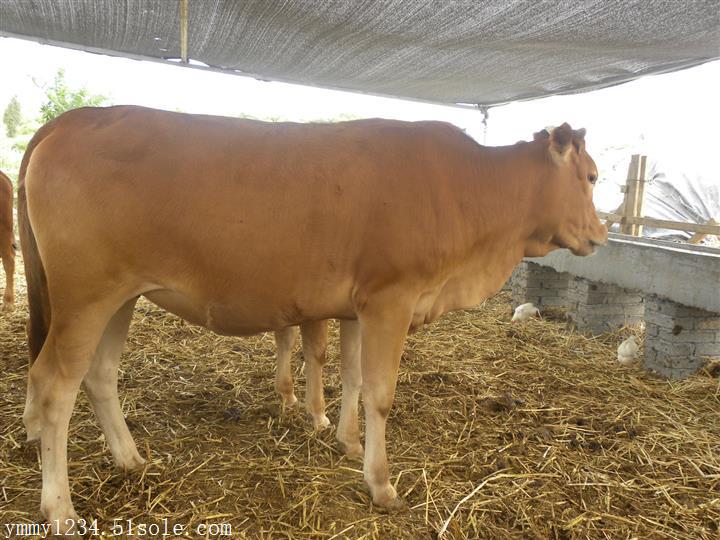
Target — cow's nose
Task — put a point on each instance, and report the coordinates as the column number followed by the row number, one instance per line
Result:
column 602, row 237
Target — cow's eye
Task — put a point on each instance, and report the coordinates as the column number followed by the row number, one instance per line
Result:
column 592, row 178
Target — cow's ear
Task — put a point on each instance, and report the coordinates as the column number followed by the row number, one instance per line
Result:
column 578, row 139
column 541, row 135
column 561, row 142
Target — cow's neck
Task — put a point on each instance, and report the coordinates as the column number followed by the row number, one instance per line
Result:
column 502, row 201
column 507, row 205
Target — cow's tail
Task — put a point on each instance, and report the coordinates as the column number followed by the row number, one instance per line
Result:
column 37, row 290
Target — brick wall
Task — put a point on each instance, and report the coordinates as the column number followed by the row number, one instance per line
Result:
column 602, row 307
column 540, row 285
column 679, row 339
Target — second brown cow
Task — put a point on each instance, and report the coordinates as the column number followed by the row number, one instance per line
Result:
column 7, row 240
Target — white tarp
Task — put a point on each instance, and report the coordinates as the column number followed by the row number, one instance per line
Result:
column 674, row 191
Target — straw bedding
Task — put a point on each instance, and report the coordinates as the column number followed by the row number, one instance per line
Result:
column 498, row 431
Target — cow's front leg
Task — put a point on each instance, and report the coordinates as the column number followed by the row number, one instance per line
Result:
column 284, row 342
column 348, row 431
column 383, row 329
column 314, row 343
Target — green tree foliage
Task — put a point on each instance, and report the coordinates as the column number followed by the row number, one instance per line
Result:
column 12, row 117
column 61, row 98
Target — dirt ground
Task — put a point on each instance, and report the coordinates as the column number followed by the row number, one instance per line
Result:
column 498, row 431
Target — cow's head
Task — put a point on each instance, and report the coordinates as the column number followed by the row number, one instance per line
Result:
column 565, row 211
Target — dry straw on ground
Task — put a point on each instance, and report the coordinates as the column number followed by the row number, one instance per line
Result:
column 498, row 431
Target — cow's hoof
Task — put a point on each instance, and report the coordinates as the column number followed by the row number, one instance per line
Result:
column 62, row 518
column 387, row 499
column 131, row 463
column 353, row 451
column 321, row 422
column 289, row 401
column 391, row 506
column 8, row 306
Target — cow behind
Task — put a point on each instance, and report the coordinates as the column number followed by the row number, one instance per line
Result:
column 7, row 240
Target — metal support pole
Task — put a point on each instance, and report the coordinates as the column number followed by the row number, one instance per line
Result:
column 485, row 110
column 184, row 31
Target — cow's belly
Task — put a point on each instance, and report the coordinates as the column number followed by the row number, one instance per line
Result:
column 246, row 315
column 462, row 291
column 204, row 312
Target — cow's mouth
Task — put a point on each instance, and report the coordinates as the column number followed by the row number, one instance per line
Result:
column 586, row 248
column 579, row 246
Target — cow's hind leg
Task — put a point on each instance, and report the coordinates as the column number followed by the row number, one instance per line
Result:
column 383, row 328
column 8, row 260
column 100, row 385
column 285, row 341
column 314, row 343
column 348, row 431
column 53, row 383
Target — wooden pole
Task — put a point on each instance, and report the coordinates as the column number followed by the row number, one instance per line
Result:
column 639, row 196
column 628, row 205
column 184, row 31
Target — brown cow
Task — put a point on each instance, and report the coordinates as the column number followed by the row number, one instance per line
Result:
column 7, row 240
column 243, row 226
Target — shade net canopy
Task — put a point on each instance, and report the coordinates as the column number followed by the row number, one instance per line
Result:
column 463, row 51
